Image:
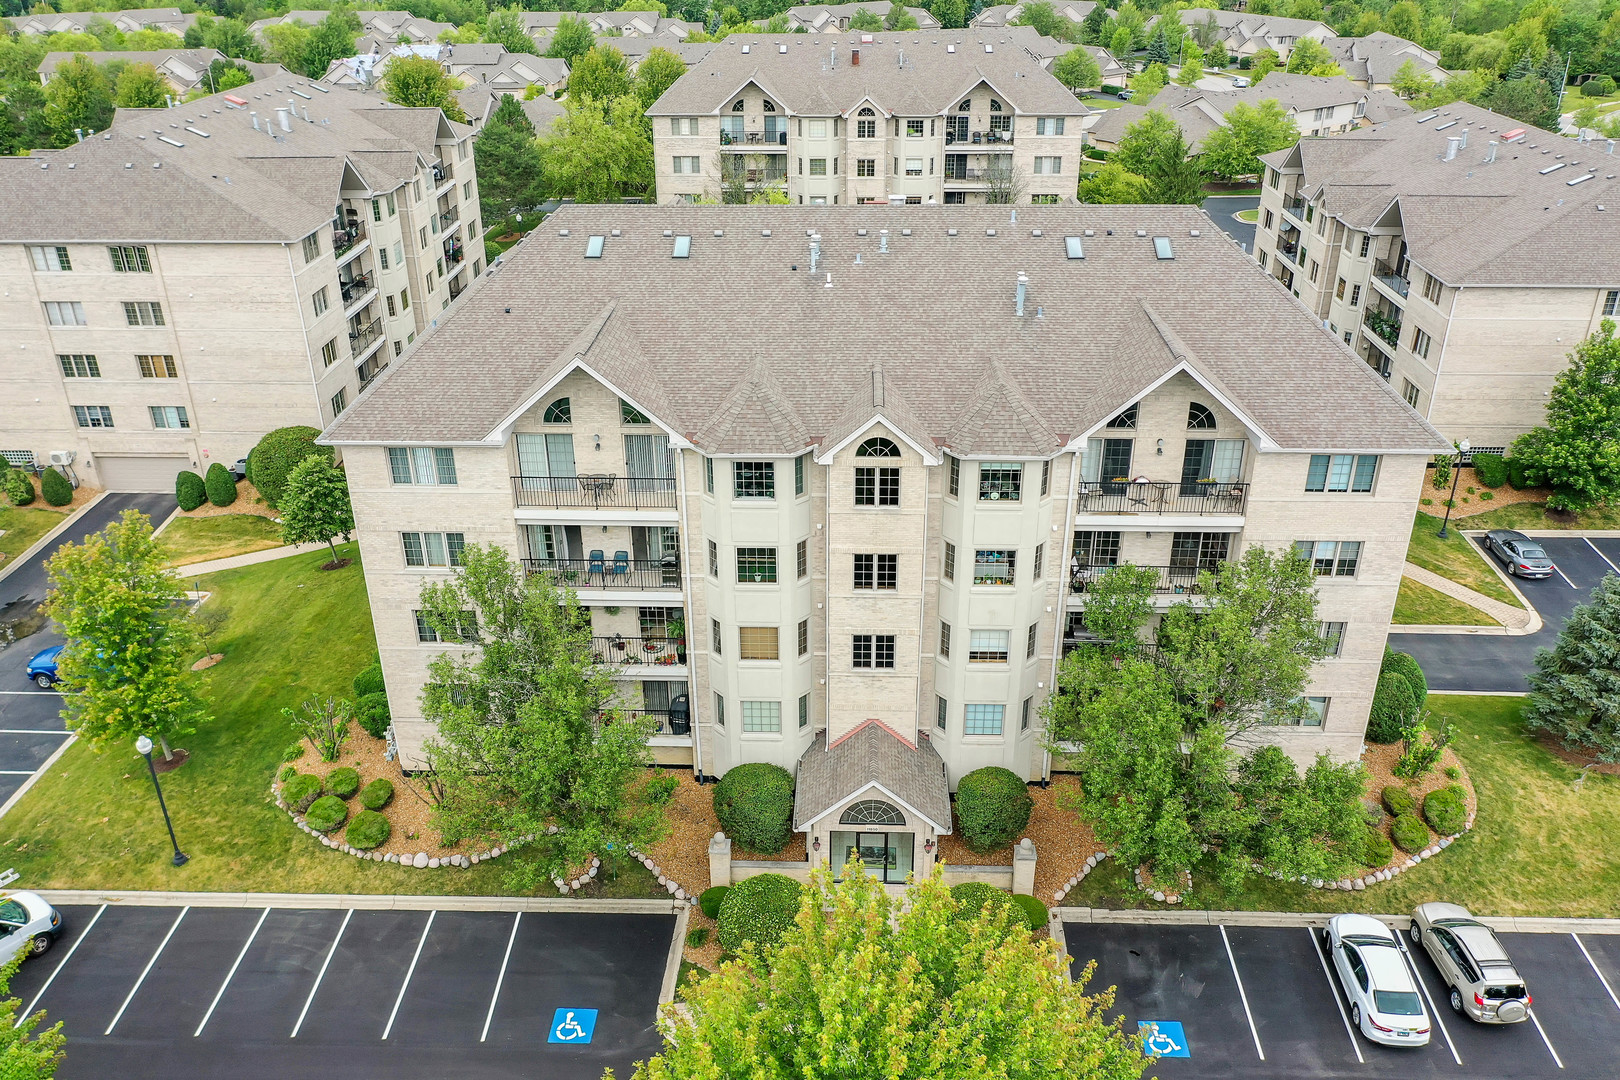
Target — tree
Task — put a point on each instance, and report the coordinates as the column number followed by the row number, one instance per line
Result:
column 656, row 73
column 287, row 44
column 1192, row 66
column 572, row 39
column 332, row 40
column 315, row 507
column 1250, row 131
column 416, row 82
column 1577, row 451
column 1158, row 50
column 152, row 40
column 1120, row 42
column 527, row 738
column 952, row 14
column 504, row 26
column 508, row 162
column 233, row 38
column 1046, row 21
column 592, row 157
column 865, row 20
column 1218, row 56
column 1529, row 100
column 899, row 18
column 864, row 984
column 126, row 669
column 26, row 1052
column 1139, row 146
column 139, row 86
column 78, row 98
column 1264, row 63
column 1410, row 81
column 1302, row 827
column 1094, row 28
column 1112, row 183
column 1311, row 57
column 229, row 77
column 1077, row 70
column 601, row 74
column 1404, row 20
column 1147, row 85
column 1004, row 182
column 1120, row 602
column 1575, row 689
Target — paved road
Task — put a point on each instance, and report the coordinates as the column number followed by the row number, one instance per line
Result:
column 1494, row 662
column 281, row 994
column 1222, row 207
column 30, row 728
column 1285, row 1023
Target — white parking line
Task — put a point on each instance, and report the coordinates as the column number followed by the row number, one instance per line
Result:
column 496, row 996
column 33, row 731
column 26, row 1012
column 1600, row 554
column 28, row 693
column 321, row 974
column 231, row 974
column 1544, row 1038
column 1565, row 576
column 408, row 973
column 1333, row 988
column 1252, row 1030
column 1423, row 986
column 146, row 970
column 17, row 772
column 1582, row 946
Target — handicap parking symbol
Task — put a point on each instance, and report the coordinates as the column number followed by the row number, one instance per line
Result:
column 1163, row 1038
column 572, row 1026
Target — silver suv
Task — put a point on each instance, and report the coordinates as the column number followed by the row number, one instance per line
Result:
column 1484, row 984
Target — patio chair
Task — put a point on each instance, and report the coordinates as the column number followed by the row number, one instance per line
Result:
column 621, row 564
column 597, row 564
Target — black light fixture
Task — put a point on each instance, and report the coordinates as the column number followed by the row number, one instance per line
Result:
column 144, row 746
column 928, row 845
column 817, row 845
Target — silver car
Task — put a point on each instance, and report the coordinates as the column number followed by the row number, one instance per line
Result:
column 1384, row 1001
column 1483, row 982
column 1520, row 555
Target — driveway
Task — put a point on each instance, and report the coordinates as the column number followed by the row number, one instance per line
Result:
column 1222, row 207
column 281, row 993
column 31, row 728
column 1494, row 662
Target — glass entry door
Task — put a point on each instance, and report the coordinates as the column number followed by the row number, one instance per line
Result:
column 886, row 856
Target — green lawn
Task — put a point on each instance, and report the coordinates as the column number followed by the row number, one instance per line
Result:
column 194, row 540
column 1102, row 102
column 1540, row 846
column 293, row 632
column 1419, row 605
column 1250, row 216
column 23, row 526
column 1456, row 557
column 1534, row 516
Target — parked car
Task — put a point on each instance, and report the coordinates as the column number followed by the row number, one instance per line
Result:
column 1241, row 83
column 42, row 668
column 1384, row 1000
column 1125, row 95
column 27, row 923
column 1484, row 984
column 1522, row 556
column 239, row 469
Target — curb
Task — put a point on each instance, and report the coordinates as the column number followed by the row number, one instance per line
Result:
column 677, row 952
column 1507, row 923
column 16, row 796
column 49, row 537
column 361, row 901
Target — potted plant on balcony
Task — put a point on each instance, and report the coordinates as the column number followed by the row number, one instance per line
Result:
column 675, row 630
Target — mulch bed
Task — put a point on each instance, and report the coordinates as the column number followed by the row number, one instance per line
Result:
column 169, row 764
column 1475, row 503
column 247, row 502
column 1379, row 761
column 1062, row 840
column 1578, row 758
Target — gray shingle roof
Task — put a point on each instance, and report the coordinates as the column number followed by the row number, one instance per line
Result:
column 871, row 754
column 818, row 15
column 1299, row 94
column 1377, row 57
column 932, row 312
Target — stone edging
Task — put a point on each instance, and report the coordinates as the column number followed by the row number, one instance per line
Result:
column 1159, row 894
column 1386, row 874
column 1085, row 868
column 673, row 887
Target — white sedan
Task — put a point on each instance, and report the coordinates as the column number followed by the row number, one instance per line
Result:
column 1384, row 1000
column 27, row 924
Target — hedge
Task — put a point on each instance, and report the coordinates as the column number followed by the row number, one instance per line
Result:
column 220, row 485
column 754, row 804
column 1491, row 470
column 326, row 813
column 1393, row 705
column 189, row 490
column 55, row 487
column 1378, row 850
column 1410, row 834
column 273, row 459
column 973, row 897
column 1516, row 477
column 759, row 909
column 19, row 489
column 377, row 794
column 709, row 900
column 301, row 790
column 1397, row 800
column 1598, row 86
column 1406, row 666
column 370, row 680
column 372, row 712
column 1446, row 810
column 1035, row 912
column 368, row 830
column 343, row 782
column 993, row 805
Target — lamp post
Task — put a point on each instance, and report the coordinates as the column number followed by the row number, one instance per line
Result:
column 1456, row 474
column 144, row 746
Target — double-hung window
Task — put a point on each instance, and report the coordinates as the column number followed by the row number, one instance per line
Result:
column 78, row 366
column 65, row 313
column 1341, row 472
column 877, row 571
column 987, row 646
column 169, row 416
column 944, row 639
column 147, row 312
column 756, row 565
column 157, row 367
column 422, row 464
column 1312, row 714
column 1333, row 634
column 50, row 259
column 93, row 416
column 1331, row 558
column 950, row 561
column 877, row 486
column 131, row 259
column 983, row 719
column 804, row 637
column 753, row 479
column 994, row 566
column 1000, row 481
column 956, row 474
column 1049, row 125
column 433, row 548
column 872, row 651
column 802, row 555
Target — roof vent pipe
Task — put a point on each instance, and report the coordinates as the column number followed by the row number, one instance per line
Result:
column 854, row 58
column 883, row 234
column 1462, row 143
column 80, row 133
column 255, row 120
column 1611, row 146
column 168, row 101
column 1451, row 147
column 282, row 120
column 307, row 120
column 1490, row 155
column 1023, row 285
column 815, row 251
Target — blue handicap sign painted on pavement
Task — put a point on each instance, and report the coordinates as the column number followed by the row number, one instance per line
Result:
column 1163, row 1038
column 572, row 1026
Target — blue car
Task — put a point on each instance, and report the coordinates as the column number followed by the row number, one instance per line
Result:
column 42, row 668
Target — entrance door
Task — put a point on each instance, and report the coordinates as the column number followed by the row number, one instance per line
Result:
column 886, row 856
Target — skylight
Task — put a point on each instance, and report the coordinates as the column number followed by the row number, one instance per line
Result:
column 1161, row 247
column 593, row 247
column 1072, row 245
column 683, row 247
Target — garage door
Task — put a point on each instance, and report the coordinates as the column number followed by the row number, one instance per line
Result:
column 139, row 473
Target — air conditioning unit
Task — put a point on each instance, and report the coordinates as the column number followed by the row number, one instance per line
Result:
column 62, row 457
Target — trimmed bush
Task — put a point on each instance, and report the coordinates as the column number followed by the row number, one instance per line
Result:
column 993, row 805
column 698, row 936
column 1598, row 86
column 1393, row 705
column 1378, row 850
column 273, row 459
column 1446, row 810
column 326, row 813
column 754, row 803
column 1397, row 800
column 1035, row 913
column 369, row 829
column 55, row 487
column 343, row 782
column 1410, row 834
column 709, row 900
column 972, row 897
column 370, row 680
column 1517, row 480
column 372, row 712
column 759, row 909
column 377, row 794
column 220, row 485
column 1491, row 469
column 1406, row 666
column 301, row 790
column 189, row 490
column 19, row 489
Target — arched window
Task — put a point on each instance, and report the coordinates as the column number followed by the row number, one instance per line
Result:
column 995, row 106
column 559, row 412
column 965, row 106
column 866, row 110
column 1126, row 419
column 877, row 447
column 737, row 106
column 769, row 107
column 872, row 812
column 1199, row 418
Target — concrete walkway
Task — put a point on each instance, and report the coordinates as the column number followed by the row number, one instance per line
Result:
column 1516, row 620
column 213, row 566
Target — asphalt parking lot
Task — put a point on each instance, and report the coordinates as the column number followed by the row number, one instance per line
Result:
column 1260, row 1002
column 1494, row 662
column 281, row 993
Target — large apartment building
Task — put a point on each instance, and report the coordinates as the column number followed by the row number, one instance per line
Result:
column 875, row 494
column 1460, row 253
column 193, row 277
column 963, row 116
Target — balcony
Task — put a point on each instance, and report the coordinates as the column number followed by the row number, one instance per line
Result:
column 1289, row 249
column 1386, row 274
column 371, row 369
column 449, row 217
column 676, row 720
column 347, row 234
column 597, row 491
column 456, row 287
column 354, row 288
column 442, row 173
column 1197, row 498
column 1173, row 580
column 1295, row 206
column 962, row 172
column 618, row 572
column 364, row 336
column 745, row 139
column 622, row 651
column 978, row 138
column 454, row 252
column 1387, row 327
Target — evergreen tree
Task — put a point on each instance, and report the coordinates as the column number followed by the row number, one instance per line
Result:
column 1158, row 51
column 1577, row 451
column 1575, row 689
column 1095, row 27
column 508, row 162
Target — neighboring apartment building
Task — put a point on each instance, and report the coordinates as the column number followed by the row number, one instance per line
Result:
column 1374, row 60
column 956, row 117
column 834, row 18
column 478, row 64
column 1245, row 34
column 193, row 277
column 1004, row 14
column 169, row 19
column 540, row 25
column 875, row 498
column 390, row 27
column 184, row 70
column 1460, row 253
column 480, row 103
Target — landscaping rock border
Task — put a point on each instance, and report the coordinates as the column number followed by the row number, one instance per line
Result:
column 672, row 886
column 1386, row 874
column 1159, row 894
column 1087, row 867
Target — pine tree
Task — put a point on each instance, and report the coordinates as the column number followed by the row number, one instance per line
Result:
column 1158, row 50
column 508, row 162
column 1575, row 689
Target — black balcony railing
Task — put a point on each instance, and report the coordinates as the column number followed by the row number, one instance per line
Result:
column 362, row 337
column 615, row 571
column 345, row 236
column 1386, row 273
column 453, row 252
column 1294, row 206
column 977, row 138
column 1198, row 497
column 1385, row 326
column 1172, row 579
column 354, row 288
column 449, row 217
column 627, row 651
column 598, row 490
column 770, row 137
column 673, row 721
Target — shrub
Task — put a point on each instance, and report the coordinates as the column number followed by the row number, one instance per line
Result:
column 301, row 790
column 1446, row 810
column 1398, row 800
column 993, row 805
column 972, row 897
column 1409, row 833
column 1453, row 773
column 19, row 489
column 377, row 794
column 660, row 789
column 1378, row 850
column 372, row 713
column 1035, row 913
column 754, row 804
column 1487, row 496
column 368, row 830
column 1598, row 86
column 1491, row 469
column 220, row 485
column 1406, row 666
column 294, row 751
column 1392, row 706
column 759, row 909
column 1245, row 62
column 709, row 900
column 189, row 490
column 273, row 459
column 370, row 680
column 326, row 813
column 55, row 487
column 287, row 773
column 1517, row 480
column 343, row 782
column 698, row 936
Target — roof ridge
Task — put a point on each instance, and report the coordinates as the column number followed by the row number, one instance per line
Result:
column 863, row 726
